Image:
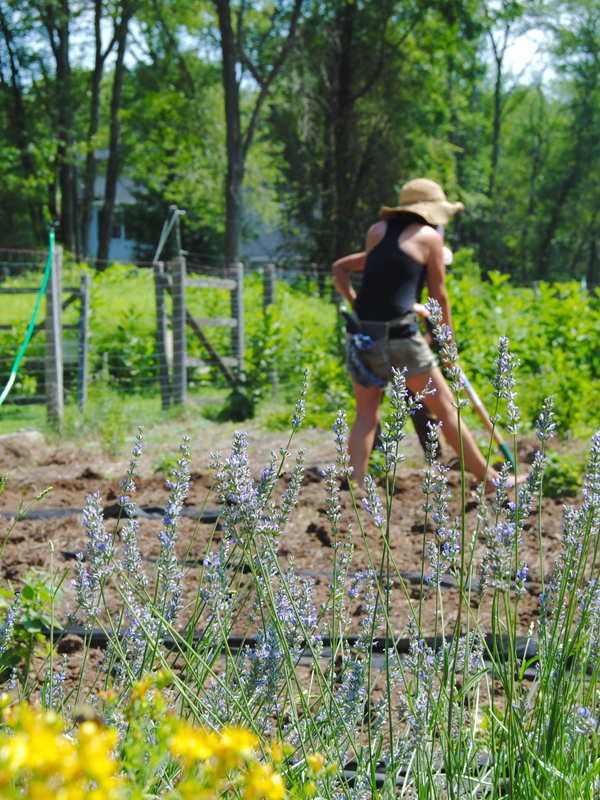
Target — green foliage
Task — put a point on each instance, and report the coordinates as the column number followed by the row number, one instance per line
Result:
column 554, row 329
column 34, row 613
column 165, row 463
column 563, row 475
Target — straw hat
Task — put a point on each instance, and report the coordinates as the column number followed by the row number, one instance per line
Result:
column 425, row 198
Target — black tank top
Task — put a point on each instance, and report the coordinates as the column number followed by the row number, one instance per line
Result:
column 392, row 279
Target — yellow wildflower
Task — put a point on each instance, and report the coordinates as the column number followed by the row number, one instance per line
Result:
column 194, row 745
column 139, row 688
column 316, row 762
column 262, row 782
column 276, row 752
column 236, row 743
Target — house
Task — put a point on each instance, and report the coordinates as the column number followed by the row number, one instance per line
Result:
column 122, row 248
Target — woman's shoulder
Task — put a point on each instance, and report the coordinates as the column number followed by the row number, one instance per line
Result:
column 375, row 234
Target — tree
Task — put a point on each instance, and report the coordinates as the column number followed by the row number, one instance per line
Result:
column 12, row 88
column 363, row 108
column 89, row 180
column 56, row 19
column 256, row 44
column 114, row 152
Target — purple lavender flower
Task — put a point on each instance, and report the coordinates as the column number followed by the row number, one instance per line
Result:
column 7, row 628
column 340, row 428
column 300, row 409
column 520, row 579
column 585, row 723
column 100, row 552
column 169, row 575
column 290, row 496
column 372, row 503
column 401, row 408
column 545, row 425
column 504, row 378
column 445, row 339
column 52, row 693
column 513, row 417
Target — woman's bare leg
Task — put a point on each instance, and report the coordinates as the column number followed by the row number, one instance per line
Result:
column 362, row 435
column 440, row 404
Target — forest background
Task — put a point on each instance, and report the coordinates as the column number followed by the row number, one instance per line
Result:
column 310, row 113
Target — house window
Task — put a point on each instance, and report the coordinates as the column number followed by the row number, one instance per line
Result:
column 117, row 231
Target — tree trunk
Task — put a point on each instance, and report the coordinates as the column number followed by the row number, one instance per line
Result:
column 343, row 131
column 19, row 121
column 238, row 141
column 65, row 115
column 87, row 203
column 496, row 128
column 591, row 270
column 114, row 153
column 234, row 181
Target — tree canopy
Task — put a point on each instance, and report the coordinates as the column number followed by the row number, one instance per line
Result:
column 308, row 114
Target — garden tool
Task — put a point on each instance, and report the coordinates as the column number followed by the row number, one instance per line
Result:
column 485, row 418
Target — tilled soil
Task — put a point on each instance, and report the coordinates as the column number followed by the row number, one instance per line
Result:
column 74, row 473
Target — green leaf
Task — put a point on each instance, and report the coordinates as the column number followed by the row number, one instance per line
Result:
column 28, row 593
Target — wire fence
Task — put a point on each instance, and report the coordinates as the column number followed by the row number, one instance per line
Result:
column 119, row 336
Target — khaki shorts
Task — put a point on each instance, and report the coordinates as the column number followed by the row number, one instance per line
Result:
column 413, row 352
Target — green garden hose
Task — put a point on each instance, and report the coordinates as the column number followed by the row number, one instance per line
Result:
column 29, row 334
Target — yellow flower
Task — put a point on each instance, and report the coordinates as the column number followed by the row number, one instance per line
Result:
column 316, row 762
column 276, row 751
column 262, row 782
column 236, row 743
column 139, row 688
column 194, row 745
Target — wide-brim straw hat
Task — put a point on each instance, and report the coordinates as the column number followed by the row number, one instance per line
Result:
column 425, row 198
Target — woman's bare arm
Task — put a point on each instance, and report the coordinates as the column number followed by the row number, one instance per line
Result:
column 436, row 274
column 341, row 274
column 355, row 263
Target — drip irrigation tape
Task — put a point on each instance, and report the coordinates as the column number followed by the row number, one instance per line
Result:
column 29, row 334
column 209, row 515
column 526, row 647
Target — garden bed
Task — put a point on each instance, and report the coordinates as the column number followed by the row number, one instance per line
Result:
column 74, row 473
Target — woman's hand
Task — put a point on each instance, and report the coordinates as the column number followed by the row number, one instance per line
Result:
column 420, row 309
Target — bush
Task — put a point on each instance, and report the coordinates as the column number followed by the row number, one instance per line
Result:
column 563, row 475
column 554, row 330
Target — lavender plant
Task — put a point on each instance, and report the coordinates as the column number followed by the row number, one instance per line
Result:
column 472, row 707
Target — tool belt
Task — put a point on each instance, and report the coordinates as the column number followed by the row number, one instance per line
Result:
column 398, row 328
column 364, row 335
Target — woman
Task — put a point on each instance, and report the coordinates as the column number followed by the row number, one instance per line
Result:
column 404, row 250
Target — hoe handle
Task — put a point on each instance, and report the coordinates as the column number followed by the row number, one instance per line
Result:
column 485, row 418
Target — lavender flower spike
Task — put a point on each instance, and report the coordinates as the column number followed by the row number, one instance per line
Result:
column 504, row 379
column 170, row 577
column 300, row 409
column 340, row 428
column 373, row 503
column 545, row 425
column 8, row 626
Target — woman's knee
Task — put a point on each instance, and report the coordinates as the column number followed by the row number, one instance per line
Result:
column 367, row 419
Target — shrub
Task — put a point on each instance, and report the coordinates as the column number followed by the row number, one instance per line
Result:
column 562, row 477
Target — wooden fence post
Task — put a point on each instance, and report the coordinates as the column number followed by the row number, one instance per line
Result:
column 54, row 352
column 84, row 339
column 269, row 300
column 268, row 285
column 237, row 311
column 179, row 343
column 160, row 282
